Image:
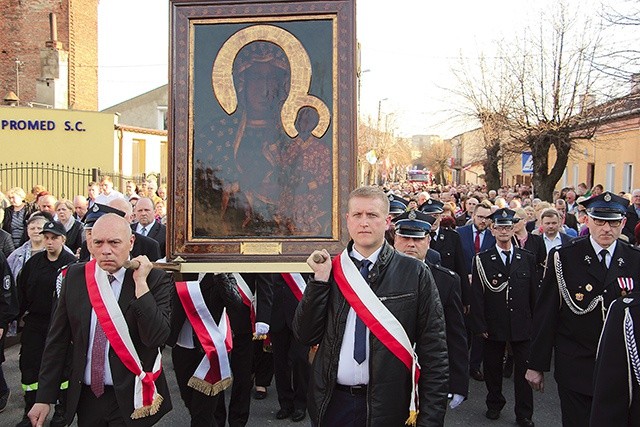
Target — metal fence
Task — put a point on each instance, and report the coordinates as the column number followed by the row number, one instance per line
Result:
column 59, row 180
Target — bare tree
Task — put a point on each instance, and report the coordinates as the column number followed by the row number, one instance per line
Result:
column 437, row 158
column 554, row 78
column 620, row 59
column 486, row 96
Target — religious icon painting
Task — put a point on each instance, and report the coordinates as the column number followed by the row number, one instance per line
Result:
column 261, row 94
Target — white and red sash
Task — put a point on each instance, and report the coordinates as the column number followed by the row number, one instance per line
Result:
column 248, row 298
column 296, row 283
column 213, row 374
column 380, row 321
column 146, row 400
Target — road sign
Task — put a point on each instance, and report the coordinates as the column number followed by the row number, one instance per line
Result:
column 527, row 162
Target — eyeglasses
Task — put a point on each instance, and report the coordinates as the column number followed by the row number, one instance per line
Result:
column 482, row 217
column 613, row 224
column 503, row 227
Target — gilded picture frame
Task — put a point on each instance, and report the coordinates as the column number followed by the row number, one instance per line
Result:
column 262, row 129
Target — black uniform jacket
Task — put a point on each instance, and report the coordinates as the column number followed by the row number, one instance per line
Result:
column 448, row 244
column 575, row 337
column 148, row 320
column 504, row 315
column 616, row 379
column 448, row 284
column 218, row 290
column 406, row 287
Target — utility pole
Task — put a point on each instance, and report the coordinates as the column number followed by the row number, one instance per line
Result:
column 19, row 65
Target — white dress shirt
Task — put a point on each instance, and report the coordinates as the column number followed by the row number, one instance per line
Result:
column 349, row 371
column 597, row 248
column 551, row 243
column 116, row 287
column 148, row 227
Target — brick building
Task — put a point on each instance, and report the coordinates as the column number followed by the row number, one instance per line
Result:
column 25, row 32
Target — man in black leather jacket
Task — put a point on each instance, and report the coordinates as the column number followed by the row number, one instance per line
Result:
column 376, row 391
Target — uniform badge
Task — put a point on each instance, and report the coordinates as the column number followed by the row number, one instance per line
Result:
column 607, row 197
column 620, row 262
column 494, row 282
column 518, row 256
column 441, row 236
column 499, row 274
column 587, row 259
column 579, row 296
column 95, row 208
column 6, row 283
column 504, row 214
column 390, row 197
column 627, row 300
column 50, row 225
column 412, row 215
column 589, row 288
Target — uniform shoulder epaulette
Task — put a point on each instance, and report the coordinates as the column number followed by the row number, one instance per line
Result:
column 634, row 247
column 443, row 269
column 526, row 251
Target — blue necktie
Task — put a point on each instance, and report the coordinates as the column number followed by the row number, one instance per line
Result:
column 360, row 339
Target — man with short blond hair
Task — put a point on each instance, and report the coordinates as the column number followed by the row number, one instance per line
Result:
column 354, row 368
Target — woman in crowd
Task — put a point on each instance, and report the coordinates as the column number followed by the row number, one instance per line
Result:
column 16, row 216
column 73, row 227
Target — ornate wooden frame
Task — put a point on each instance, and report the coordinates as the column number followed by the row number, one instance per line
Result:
column 252, row 20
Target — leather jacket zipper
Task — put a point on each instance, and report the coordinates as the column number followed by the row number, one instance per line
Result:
column 391, row 297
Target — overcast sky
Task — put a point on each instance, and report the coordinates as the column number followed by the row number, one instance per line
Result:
column 408, row 49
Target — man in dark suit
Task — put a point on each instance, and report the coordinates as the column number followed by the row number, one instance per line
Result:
column 582, row 278
column 505, row 282
column 633, row 215
column 101, row 387
column 249, row 320
column 290, row 357
column 413, row 239
column 475, row 238
column 147, row 225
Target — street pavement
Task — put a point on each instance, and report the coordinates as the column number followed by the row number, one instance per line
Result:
column 470, row 413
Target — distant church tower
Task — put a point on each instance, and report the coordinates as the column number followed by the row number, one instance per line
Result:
column 50, row 59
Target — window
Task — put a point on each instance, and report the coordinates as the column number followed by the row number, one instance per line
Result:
column 627, row 177
column 576, row 175
column 564, row 178
column 610, row 177
column 162, row 117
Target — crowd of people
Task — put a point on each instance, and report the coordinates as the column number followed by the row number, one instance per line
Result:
column 437, row 286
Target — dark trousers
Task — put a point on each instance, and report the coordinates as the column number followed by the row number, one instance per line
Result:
column 475, row 357
column 346, row 410
column 575, row 407
column 201, row 407
column 3, row 382
column 493, row 355
column 262, row 364
column 241, row 361
column 99, row 412
column 291, row 367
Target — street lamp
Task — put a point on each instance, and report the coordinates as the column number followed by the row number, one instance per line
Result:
column 379, row 109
